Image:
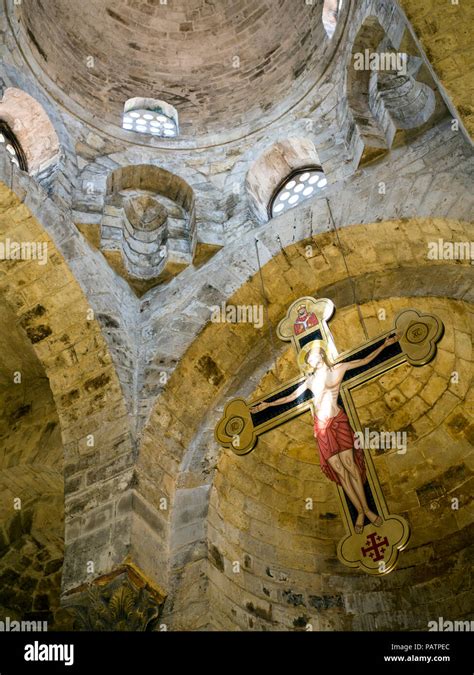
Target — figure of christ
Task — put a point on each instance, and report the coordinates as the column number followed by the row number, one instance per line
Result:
column 340, row 460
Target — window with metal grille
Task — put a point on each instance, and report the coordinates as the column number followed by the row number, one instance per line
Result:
column 9, row 141
column 300, row 185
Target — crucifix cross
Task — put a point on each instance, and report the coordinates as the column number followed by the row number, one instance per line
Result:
column 374, row 536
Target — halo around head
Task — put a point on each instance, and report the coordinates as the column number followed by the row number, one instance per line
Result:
column 316, row 345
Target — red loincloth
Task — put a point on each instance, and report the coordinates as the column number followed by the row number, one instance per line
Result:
column 335, row 435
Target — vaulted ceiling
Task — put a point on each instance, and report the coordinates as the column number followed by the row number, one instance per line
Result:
column 221, row 63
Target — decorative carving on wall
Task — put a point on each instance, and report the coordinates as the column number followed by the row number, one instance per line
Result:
column 121, row 601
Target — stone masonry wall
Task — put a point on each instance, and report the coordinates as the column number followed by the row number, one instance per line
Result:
column 31, row 500
column 445, row 33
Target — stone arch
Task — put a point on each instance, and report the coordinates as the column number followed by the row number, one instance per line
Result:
column 274, row 165
column 373, row 121
column 189, row 543
column 167, row 336
column 154, row 179
column 88, row 395
column 34, row 131
column 383, row 92
column 171, row 429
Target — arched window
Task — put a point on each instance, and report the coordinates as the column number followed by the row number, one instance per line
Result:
column 299, row 186
column 9, row 141
column 150, row 116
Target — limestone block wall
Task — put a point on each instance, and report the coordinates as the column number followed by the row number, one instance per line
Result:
column 106, row 512
column 32, row 545
column 31, row 487
column 93, row 479
column 445, row 34
column 108, row 297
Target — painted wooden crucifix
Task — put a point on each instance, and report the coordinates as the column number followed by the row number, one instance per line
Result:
column 374, row 535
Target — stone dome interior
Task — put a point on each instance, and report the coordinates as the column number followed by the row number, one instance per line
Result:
column 221, row 64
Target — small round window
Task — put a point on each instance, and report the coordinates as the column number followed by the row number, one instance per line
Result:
column 296, row 188
column 9, row 142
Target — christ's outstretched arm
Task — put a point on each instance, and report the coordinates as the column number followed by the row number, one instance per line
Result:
column 349, row 365
column 280, row 401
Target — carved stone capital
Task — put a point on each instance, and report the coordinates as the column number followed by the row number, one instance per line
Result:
column 123, row 600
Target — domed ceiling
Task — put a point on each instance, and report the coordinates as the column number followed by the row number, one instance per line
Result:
column 223, row 64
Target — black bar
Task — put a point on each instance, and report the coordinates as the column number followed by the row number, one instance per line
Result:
column 388, row 353
column 274, row 411
column 309, row 337
column 325, row 652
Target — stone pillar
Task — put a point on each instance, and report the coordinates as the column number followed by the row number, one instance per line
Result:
column 113, row 521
